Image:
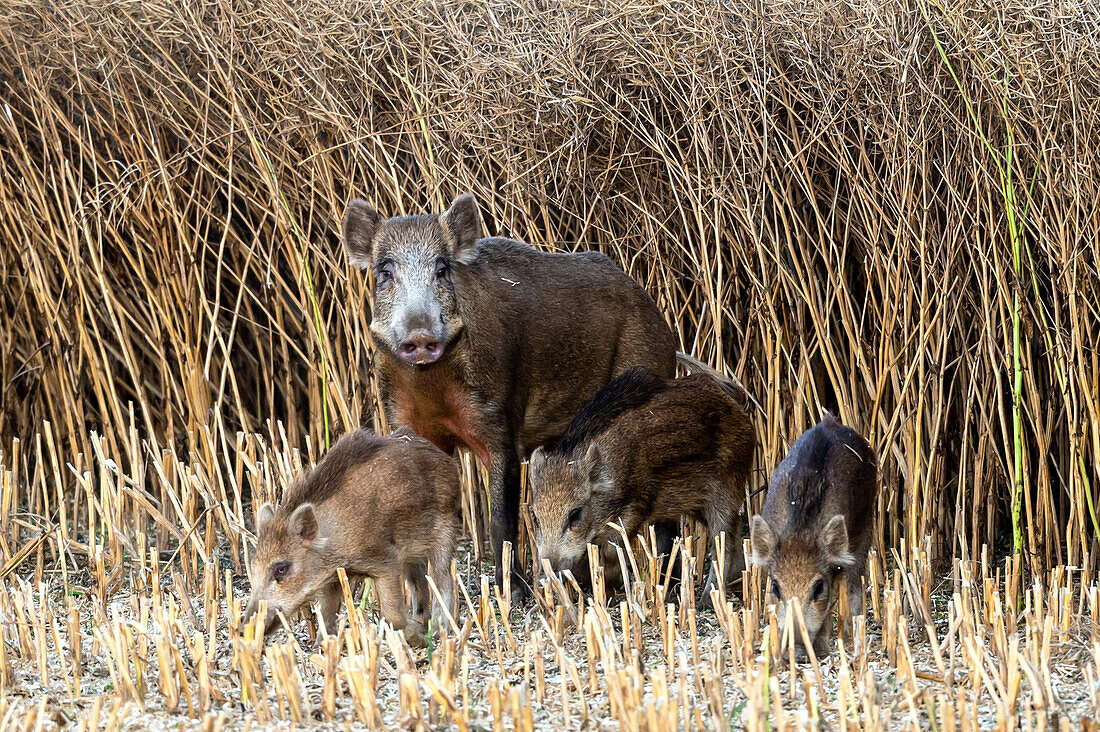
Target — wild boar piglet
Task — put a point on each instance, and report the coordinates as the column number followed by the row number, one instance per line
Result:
column 815, row 528
column 386, row 508
column 644, row 449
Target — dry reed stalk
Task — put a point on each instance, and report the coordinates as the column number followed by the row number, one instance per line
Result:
column 874, row 210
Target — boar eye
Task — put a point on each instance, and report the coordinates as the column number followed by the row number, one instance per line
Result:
column 775, row 591
column 441, row 269
column 385, row 273
column 279, row 570
column 817, row 593
column 574, row 517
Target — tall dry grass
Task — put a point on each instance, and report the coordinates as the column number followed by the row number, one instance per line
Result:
column 885, row 208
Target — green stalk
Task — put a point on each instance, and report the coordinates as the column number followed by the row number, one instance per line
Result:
column 1058, row 371
column 1004, row 170
column 1017, row 368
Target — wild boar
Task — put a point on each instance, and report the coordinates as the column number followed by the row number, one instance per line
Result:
column 644, row 449
column 491, row 345
column 816, row 525
column 380, row 507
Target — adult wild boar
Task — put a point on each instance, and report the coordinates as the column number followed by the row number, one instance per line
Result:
column 492, row 345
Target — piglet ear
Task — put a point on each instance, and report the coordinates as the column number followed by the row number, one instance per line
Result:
column 834, row 541
column 593, row 458
column 762, row 540
column 463, row 223
column 303, row 524
column 361, row 223
column 599, row 478
column 264, row 516
column 535, row 463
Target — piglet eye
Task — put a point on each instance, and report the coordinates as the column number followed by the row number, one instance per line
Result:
column 574, row 517
column 279, row 570
column 775, row 591
column 385, row 273
column 818, row 591
column 441, row 269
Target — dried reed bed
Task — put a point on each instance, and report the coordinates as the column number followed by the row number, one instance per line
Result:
column 882, row 208
column 887, row 209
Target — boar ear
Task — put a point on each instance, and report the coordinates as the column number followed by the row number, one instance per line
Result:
column 361, row 223
column 464, row 224
column 263, row 516
column 303, row 525
column 762, row 540
column 834, row 541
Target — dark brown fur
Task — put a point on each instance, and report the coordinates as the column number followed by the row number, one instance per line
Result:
column 642, row 450
column 816, row 525
column 528, row 336
column 380, row 507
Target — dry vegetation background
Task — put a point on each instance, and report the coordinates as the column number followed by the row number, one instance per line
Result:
column 887, row 208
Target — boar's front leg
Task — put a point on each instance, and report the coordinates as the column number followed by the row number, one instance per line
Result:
column 855, row 592
column 666, row 532
column 419, row 594
column 330, row 606
column 504, row 487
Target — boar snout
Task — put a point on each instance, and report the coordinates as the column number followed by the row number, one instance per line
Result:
column 250, row 612
column 557, row 564
column 554, row 556
column 421, row 348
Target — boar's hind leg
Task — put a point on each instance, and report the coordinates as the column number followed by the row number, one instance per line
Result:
column 391, row 597
column 720, row 518
column 419, row 594
column 504, row 492
column 441, row 576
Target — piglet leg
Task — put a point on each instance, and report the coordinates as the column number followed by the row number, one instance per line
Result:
column 330, row 605
column 391, row 600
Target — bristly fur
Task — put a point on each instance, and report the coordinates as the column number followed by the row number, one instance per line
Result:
column 807, row 481
column 492, row 247
column 351, row 450
column 521, row 338
column 631, row 389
